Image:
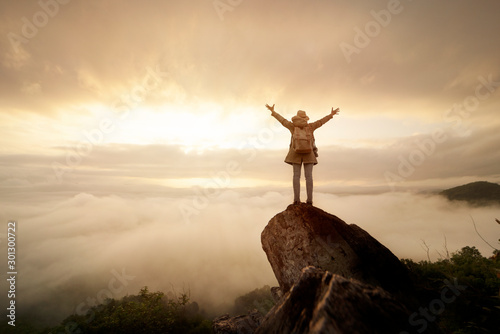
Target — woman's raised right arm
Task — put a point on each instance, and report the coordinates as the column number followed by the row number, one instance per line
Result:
column 286, row 123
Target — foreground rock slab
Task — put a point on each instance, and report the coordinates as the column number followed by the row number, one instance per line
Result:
column 242, row 324
column 321, row 303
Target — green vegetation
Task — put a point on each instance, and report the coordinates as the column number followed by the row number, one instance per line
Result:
column 258, row 299
column 148, row 312
column 476, row 193
column 477, row 307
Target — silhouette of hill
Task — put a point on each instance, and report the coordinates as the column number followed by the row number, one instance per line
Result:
column 476, row 193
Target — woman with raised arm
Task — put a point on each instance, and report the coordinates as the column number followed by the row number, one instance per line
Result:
column 303, row 149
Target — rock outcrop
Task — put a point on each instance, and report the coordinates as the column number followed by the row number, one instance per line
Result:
column 242, row 324
column 334, row 278
column 321, row 302
column 304, row 235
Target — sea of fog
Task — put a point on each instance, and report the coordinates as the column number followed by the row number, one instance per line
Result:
column 75, row 249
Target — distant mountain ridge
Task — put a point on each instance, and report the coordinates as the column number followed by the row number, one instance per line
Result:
column 476, row 193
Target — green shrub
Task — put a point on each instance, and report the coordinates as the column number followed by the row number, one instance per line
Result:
column 148, row 312
column 477, row 309
column 258, row 299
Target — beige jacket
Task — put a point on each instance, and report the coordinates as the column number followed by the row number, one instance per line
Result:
column 293, row 157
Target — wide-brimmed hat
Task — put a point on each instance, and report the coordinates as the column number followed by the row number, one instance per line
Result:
column 302, row 114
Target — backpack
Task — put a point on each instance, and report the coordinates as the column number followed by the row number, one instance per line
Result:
column 302, row 140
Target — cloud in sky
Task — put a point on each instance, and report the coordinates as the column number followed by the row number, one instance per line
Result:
column 91, row 58
column 284, row 51
column 406, row 163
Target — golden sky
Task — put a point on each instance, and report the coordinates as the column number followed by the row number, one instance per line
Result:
column 155, row 110
column 81, row 77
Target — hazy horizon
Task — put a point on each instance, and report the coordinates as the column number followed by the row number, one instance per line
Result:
column 135, row 135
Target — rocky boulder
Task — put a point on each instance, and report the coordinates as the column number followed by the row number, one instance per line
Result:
column 321, row 302
column 334, row 278
column 304, row 235
column 242, row 324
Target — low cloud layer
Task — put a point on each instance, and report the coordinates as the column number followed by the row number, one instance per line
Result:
column 76, row 246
